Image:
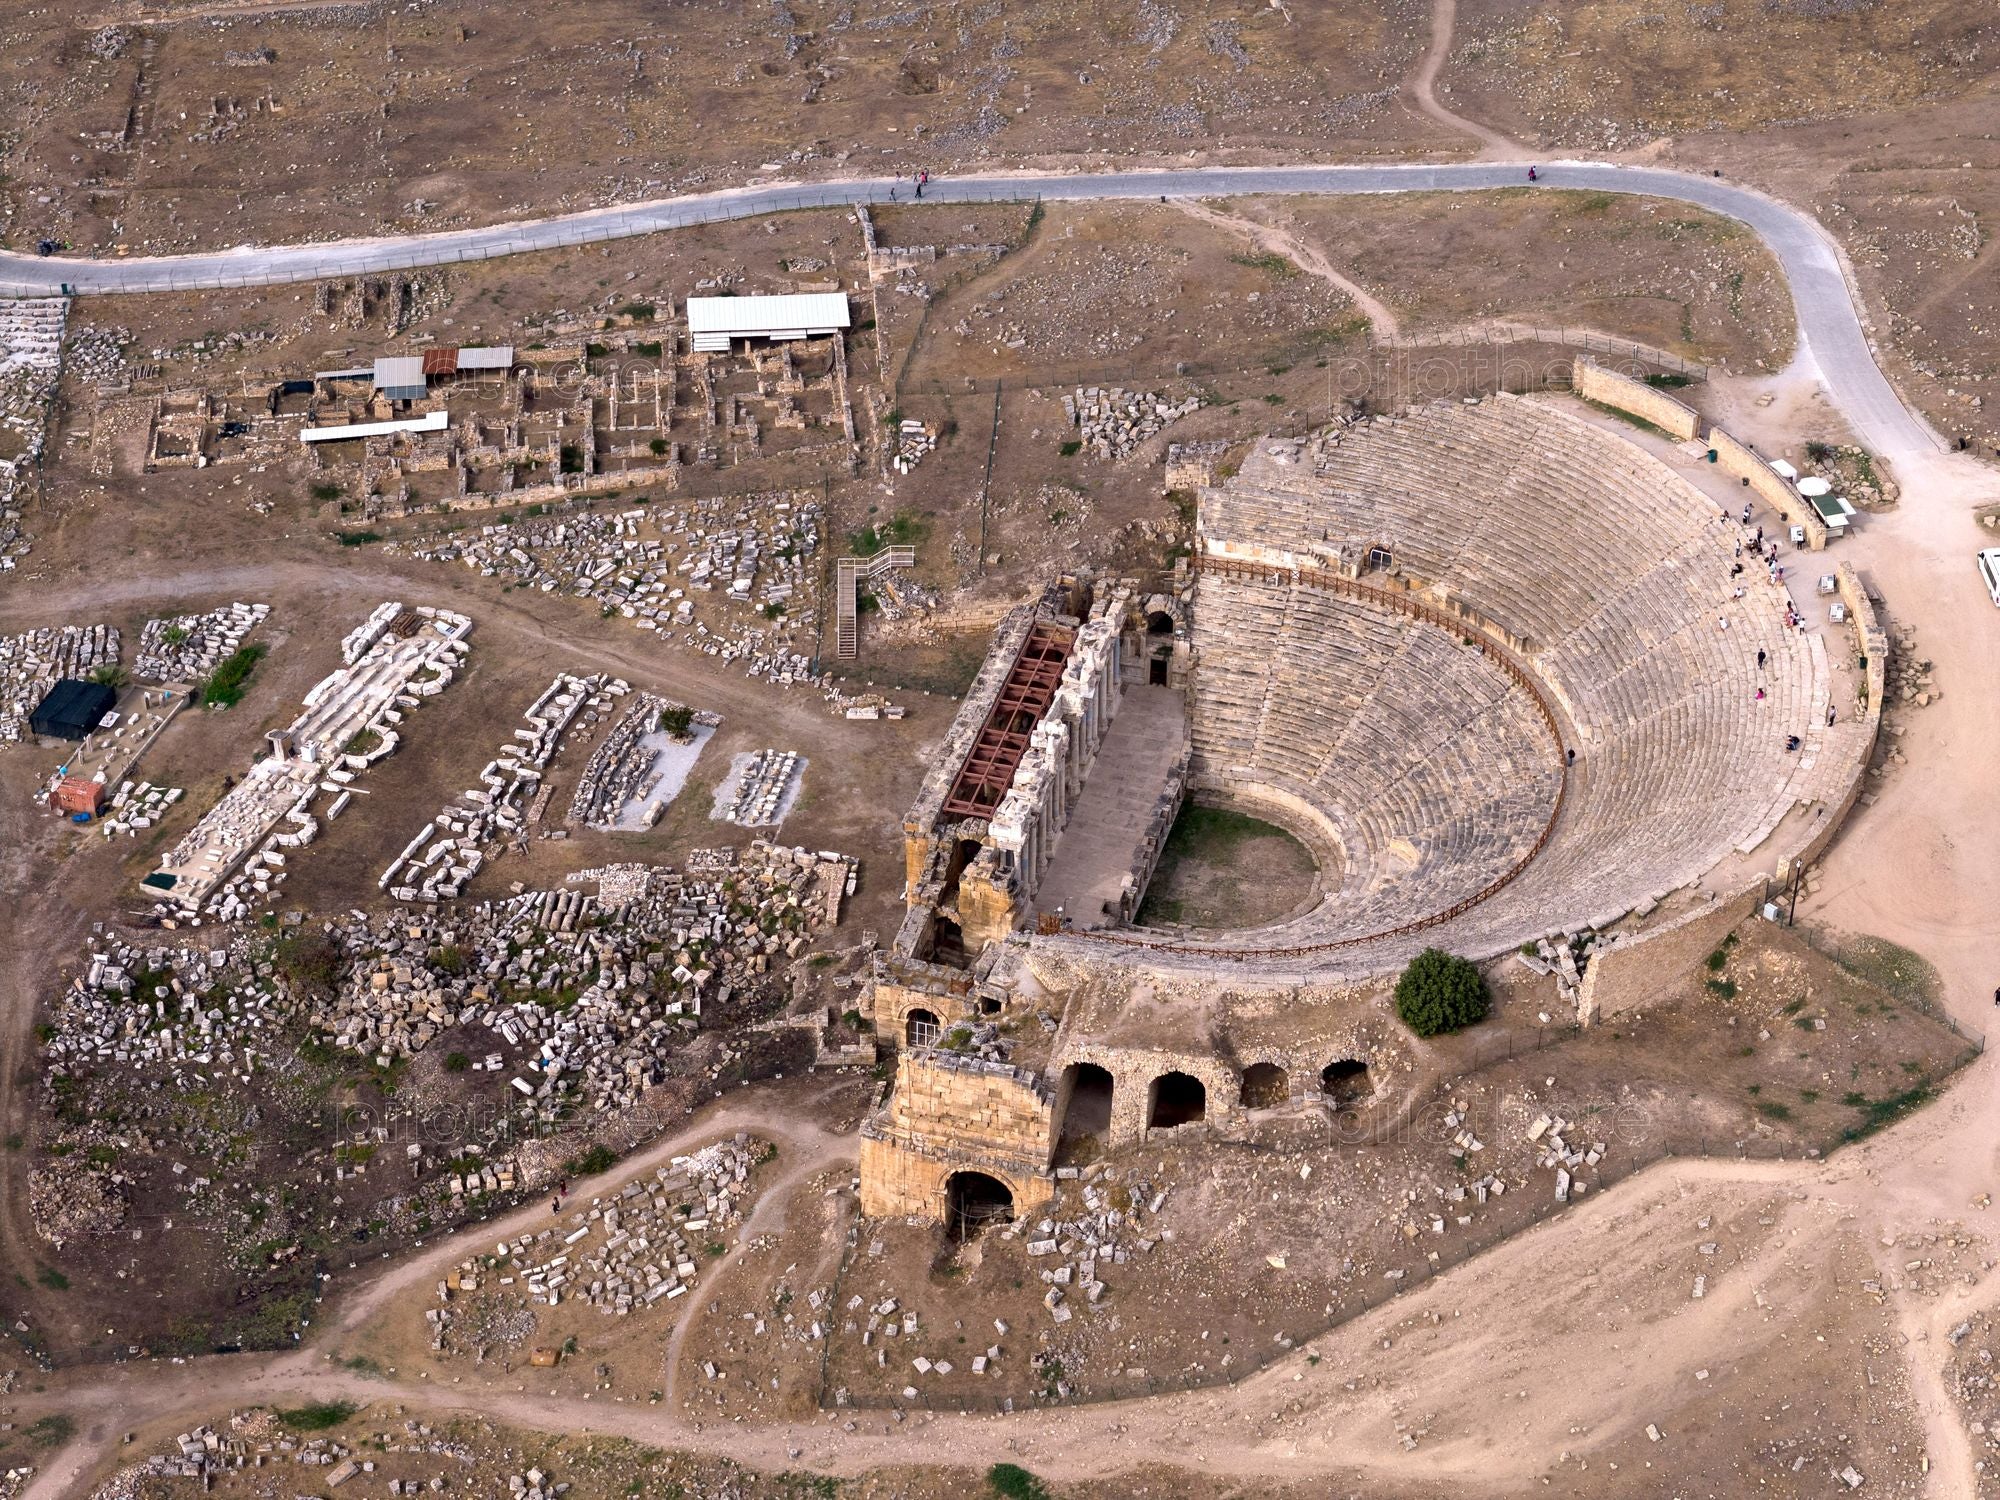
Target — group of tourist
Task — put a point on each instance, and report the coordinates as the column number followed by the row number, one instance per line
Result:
column 1768, row 552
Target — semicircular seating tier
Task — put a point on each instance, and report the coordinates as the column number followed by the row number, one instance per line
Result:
column 1414, row 760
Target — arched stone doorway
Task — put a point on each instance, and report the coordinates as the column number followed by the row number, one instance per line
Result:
column 1345, row 1083
column 1086, row 1104
column 1175, row 1099
column 1265, row 1085
column 920, row 1028
column 975, row 1201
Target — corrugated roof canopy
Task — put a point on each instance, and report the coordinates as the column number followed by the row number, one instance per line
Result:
column 788, row 317
column 400, row 369
column 499, row 357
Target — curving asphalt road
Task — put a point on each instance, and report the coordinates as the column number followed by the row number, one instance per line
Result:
column 1827, row 309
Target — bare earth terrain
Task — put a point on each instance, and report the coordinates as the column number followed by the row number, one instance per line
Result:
column 224, row 1201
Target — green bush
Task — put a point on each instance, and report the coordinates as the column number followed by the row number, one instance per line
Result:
column 598, row 1158
column 317, row 1417
column 1440, row 992
column 226, row 683
column 1015, row 1483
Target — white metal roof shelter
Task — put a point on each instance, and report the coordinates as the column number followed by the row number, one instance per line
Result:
column 714, row 321
column 400, row 377
column 435, row 421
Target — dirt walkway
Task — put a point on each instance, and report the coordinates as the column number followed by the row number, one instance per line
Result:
column 1501, row 1319
column 1493, row 146
column 1275, row 241
column 803, row 1147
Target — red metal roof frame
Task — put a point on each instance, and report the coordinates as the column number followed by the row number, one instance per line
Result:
column 441, row 361
column 1003, row 739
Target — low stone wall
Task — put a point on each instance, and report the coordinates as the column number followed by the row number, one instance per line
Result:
column 1872, row 642
column 1594, row 382
column 1635, row 969
column 1777, row 491
column 1869, row 631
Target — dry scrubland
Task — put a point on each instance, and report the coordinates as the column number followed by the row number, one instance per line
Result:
column 182, row 124
column 281, row 123
column 1913, row 198
column 116, row 544
column 1615, row 74
column 1769, row 1050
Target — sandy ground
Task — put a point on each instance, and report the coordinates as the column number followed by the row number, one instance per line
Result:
column 1558, row 1349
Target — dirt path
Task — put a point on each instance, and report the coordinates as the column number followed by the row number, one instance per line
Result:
column 1493, row 146
column 229, row 10
column 1919, row 866
column 804, row 1147
column 1276, row 241
column 768, row 1213
column 1500, row 1319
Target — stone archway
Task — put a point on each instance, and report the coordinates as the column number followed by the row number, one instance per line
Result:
column 1086, row 1096
column 1176, row 1099
column 974, row 1201
column 1265, row 1085
column 1345, row 1083
column 921, row 1028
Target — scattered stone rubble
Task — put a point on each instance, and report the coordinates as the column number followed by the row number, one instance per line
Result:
column 94, row 353
column 450, row 849
column 256, row 1440
column 187, row 648
column 31, row 662
column 760, row 788
column 1565, row 1158
column 913, row 441
column 136, row 806
column 624, row 769
column 1113, row 421
column 68, row 1202
column 1565, row 960
column 1102, row 1235
column 652, row 565
column 624, row 1253
column 575, row 998
column 31, row 333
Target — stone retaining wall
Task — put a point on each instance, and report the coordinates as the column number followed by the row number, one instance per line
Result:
column 1744, row 462
column 1594, row 382
column 1872, row 642
column 1637, row 968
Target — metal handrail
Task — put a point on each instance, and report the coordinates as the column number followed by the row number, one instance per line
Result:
column 1522, row 676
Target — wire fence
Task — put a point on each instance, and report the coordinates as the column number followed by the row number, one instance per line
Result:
column 1447, row 1253
column 1514, row 1213
column 1393, row 373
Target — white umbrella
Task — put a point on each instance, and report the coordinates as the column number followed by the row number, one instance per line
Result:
column 1814, row 486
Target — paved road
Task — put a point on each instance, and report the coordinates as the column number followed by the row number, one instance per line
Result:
column 1828, row 317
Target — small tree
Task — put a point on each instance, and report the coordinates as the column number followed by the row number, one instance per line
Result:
column 1440, row 992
